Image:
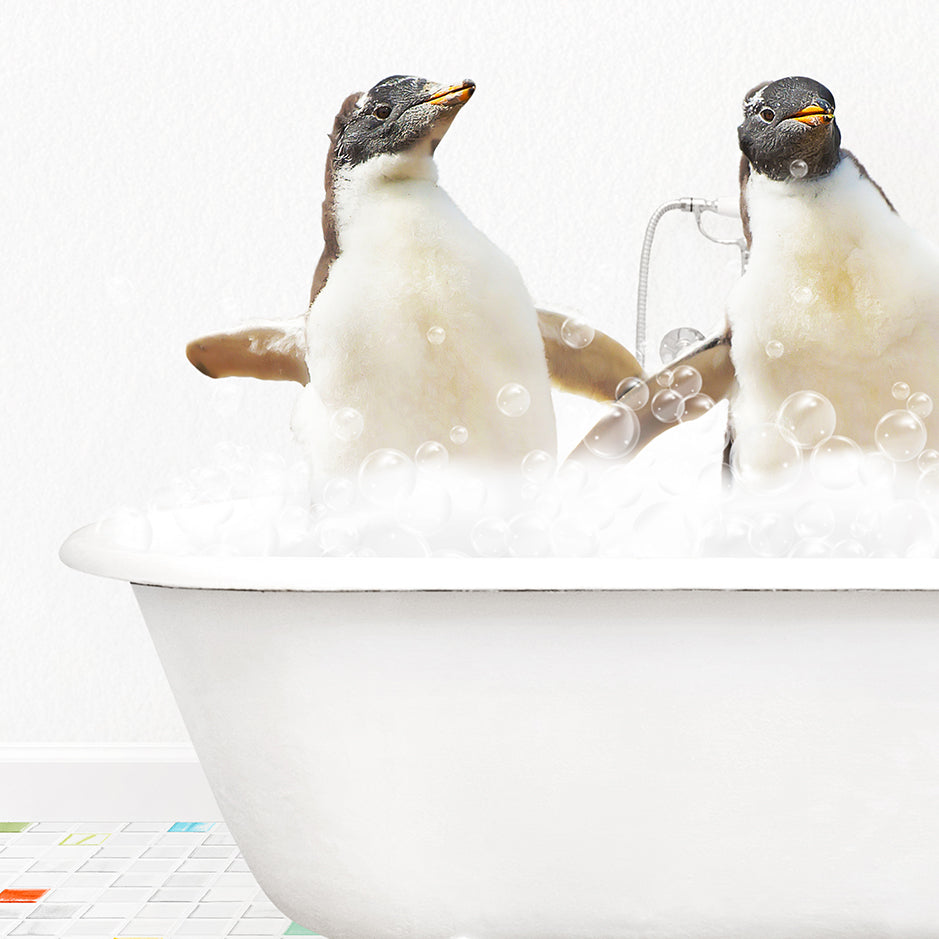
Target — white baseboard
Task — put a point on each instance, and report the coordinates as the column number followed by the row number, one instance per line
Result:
column 52, row 782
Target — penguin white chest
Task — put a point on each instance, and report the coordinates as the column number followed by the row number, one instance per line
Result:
column 840, row 297
column 422, row 322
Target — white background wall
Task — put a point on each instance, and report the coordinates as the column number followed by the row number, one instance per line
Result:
column 161, row 175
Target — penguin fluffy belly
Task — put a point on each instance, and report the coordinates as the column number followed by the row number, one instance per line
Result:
column 840, row 296
column 421, row 323
column 848, row 291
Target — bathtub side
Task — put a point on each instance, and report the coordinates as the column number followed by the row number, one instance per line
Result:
column 516, row 765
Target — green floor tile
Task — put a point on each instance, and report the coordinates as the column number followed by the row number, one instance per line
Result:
column 295, row 929
column 14, row 826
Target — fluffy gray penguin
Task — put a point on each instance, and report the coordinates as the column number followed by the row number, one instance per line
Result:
column 419, row 328
column 840, row 295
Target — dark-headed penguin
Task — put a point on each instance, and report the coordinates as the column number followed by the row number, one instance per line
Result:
column 419, row 328
column 840, row 296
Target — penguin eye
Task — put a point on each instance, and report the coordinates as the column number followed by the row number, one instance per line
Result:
column 382, row 111
column 768, row 114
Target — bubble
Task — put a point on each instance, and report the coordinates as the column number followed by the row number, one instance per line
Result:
column 900, row 390
column 811, row 548
column 572, row 536
column 771, row 536
column 528, row 536
column 386, row 477
column 806, row 419
column 436, row 335
column 927, row 460
column 347, row 424
column 576, row 333
column 919, row 403
column 849, row 548
column 836, row 463
column 677, row 341
column 900, row 435
column 774, row 348
column 431, row 457
column 633, row 393
column 686, row 380
column 695, row 407
column 668, row 406
column 663, row 379
column 798, row 169
column 571, row 478
column 459, row 434
column 814, row 520
column 538, row 466
column 339, row 493
column 927, row 488
column 126, row 528
column 513, row 399
column 489, row 537
column 763, row 460
column 804, row 295
column 615, row 434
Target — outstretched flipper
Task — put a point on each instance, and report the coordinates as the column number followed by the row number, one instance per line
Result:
column 710, row 358
column 276, row 352
column 594, row 371
column 270, row 351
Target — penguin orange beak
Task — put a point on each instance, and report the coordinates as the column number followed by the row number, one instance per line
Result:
column 452, row 94
column 814, row 115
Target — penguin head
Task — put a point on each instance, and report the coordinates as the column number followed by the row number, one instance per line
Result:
column 789, row 129
column 398, row 114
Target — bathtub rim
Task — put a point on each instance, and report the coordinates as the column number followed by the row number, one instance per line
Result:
column 87, row 551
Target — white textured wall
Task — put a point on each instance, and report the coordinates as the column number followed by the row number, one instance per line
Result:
column 161, row 174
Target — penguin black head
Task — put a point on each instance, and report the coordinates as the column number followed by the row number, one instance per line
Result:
column 788, row 123
column 399, row 113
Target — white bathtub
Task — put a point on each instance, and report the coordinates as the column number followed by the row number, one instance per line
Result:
column 560, row 749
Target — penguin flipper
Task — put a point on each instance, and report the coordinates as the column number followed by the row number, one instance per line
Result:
column 595, row 371
column 711, row 359
column 270, row 351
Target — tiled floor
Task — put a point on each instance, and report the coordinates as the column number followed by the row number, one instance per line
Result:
column 147, row 880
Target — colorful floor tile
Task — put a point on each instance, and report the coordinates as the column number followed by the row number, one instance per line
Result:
column 133, row 880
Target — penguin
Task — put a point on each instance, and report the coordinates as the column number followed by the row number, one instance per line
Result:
column 418, row 326
column 839, row 297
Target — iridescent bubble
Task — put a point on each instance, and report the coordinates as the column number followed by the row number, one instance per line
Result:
column 576, row 333
column 668, row 406
column 836, row 463
column 615, row 434
column 927, row 460
column 436, row 335
column 814, row 520
column 798, row 169
column 459, row 434
column 633, row 393
column 677, row 341
column 686, row 380
column 431, row 457
column 386, row 477
column 538, row 466
column 347, row 424
column 513, row 399
column 695, row 406
column 900, row 390
column 806, row 418
column 528, row 536
column 774, row 348
column 919, row 403
column 804, row 295
column 763, row 460
column 900, row 435
column 339, row 493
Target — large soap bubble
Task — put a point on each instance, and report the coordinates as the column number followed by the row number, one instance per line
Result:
column 900, row 435
column 807, row 419
column 764, row 460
